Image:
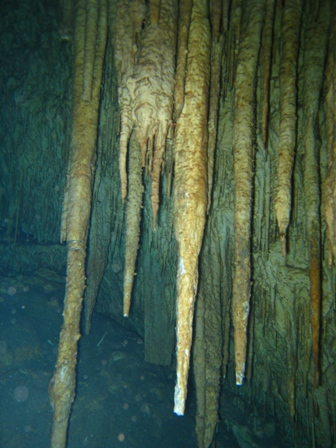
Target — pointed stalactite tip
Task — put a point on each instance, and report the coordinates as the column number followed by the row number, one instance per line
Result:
column 179, row 401
column 240, row 377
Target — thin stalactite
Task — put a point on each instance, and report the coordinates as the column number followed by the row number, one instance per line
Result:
column 217, row 40
column 129, row 18
column 291, row 24
column 243, row 152
column 182, row 51
column 133, row 219
column 314, row 58
column 330, row 182
column 266, row 65
column 91, row 30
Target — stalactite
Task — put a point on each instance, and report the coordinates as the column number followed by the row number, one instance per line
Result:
column 78, row 208
column 133, row 219
column 169, row 160
column 266, row 207
column 251, row 341
column 147, row 85
column 182, row 51
column 314, row 61
column 90, row 44
column 226, row 338
column 152, row 92
column 215, row 86
column 235, row 26
column 130, row 16
column 287, row 132
column 243, row 151
column 330, row 182
column 146, row 101
column 259, row 188
column 266, row 62
column 190, row 195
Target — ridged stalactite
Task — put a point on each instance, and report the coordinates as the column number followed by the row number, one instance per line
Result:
column 207, row 350
column 152, row 92
column 314, row 63
column 290, row 32
column 147, row 77
column 91, row 31
column 77, row 209
column 266, row 66
column 182, row 51
column 217, row 41
column 190, row 194
column 130, row 16
column 133, row 218
column 243, row 153
column 232, row 45
column 330, row 183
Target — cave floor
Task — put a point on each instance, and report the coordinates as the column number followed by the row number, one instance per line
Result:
column 120, row 400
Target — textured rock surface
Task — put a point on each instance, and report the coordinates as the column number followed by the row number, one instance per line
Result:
column 34, row 128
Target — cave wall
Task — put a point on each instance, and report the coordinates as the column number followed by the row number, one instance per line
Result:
column 35, row 111
column 35, row 134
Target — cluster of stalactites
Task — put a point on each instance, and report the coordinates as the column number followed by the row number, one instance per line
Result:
column 145, row 60
column 145, row 47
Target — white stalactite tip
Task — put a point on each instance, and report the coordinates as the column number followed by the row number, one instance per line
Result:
column 179, row 401
column 240, row 377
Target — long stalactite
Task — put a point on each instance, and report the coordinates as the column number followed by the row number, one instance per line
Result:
column 76, row 214
column 314, row 57
column 266, row 64
column 330, row 183
column 217, row 42
column 243, row 151
column 182, row 51
column 207, row 358
column 288, row 109
column 190, row 188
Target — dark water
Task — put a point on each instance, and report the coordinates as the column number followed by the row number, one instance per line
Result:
column 121, row 401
